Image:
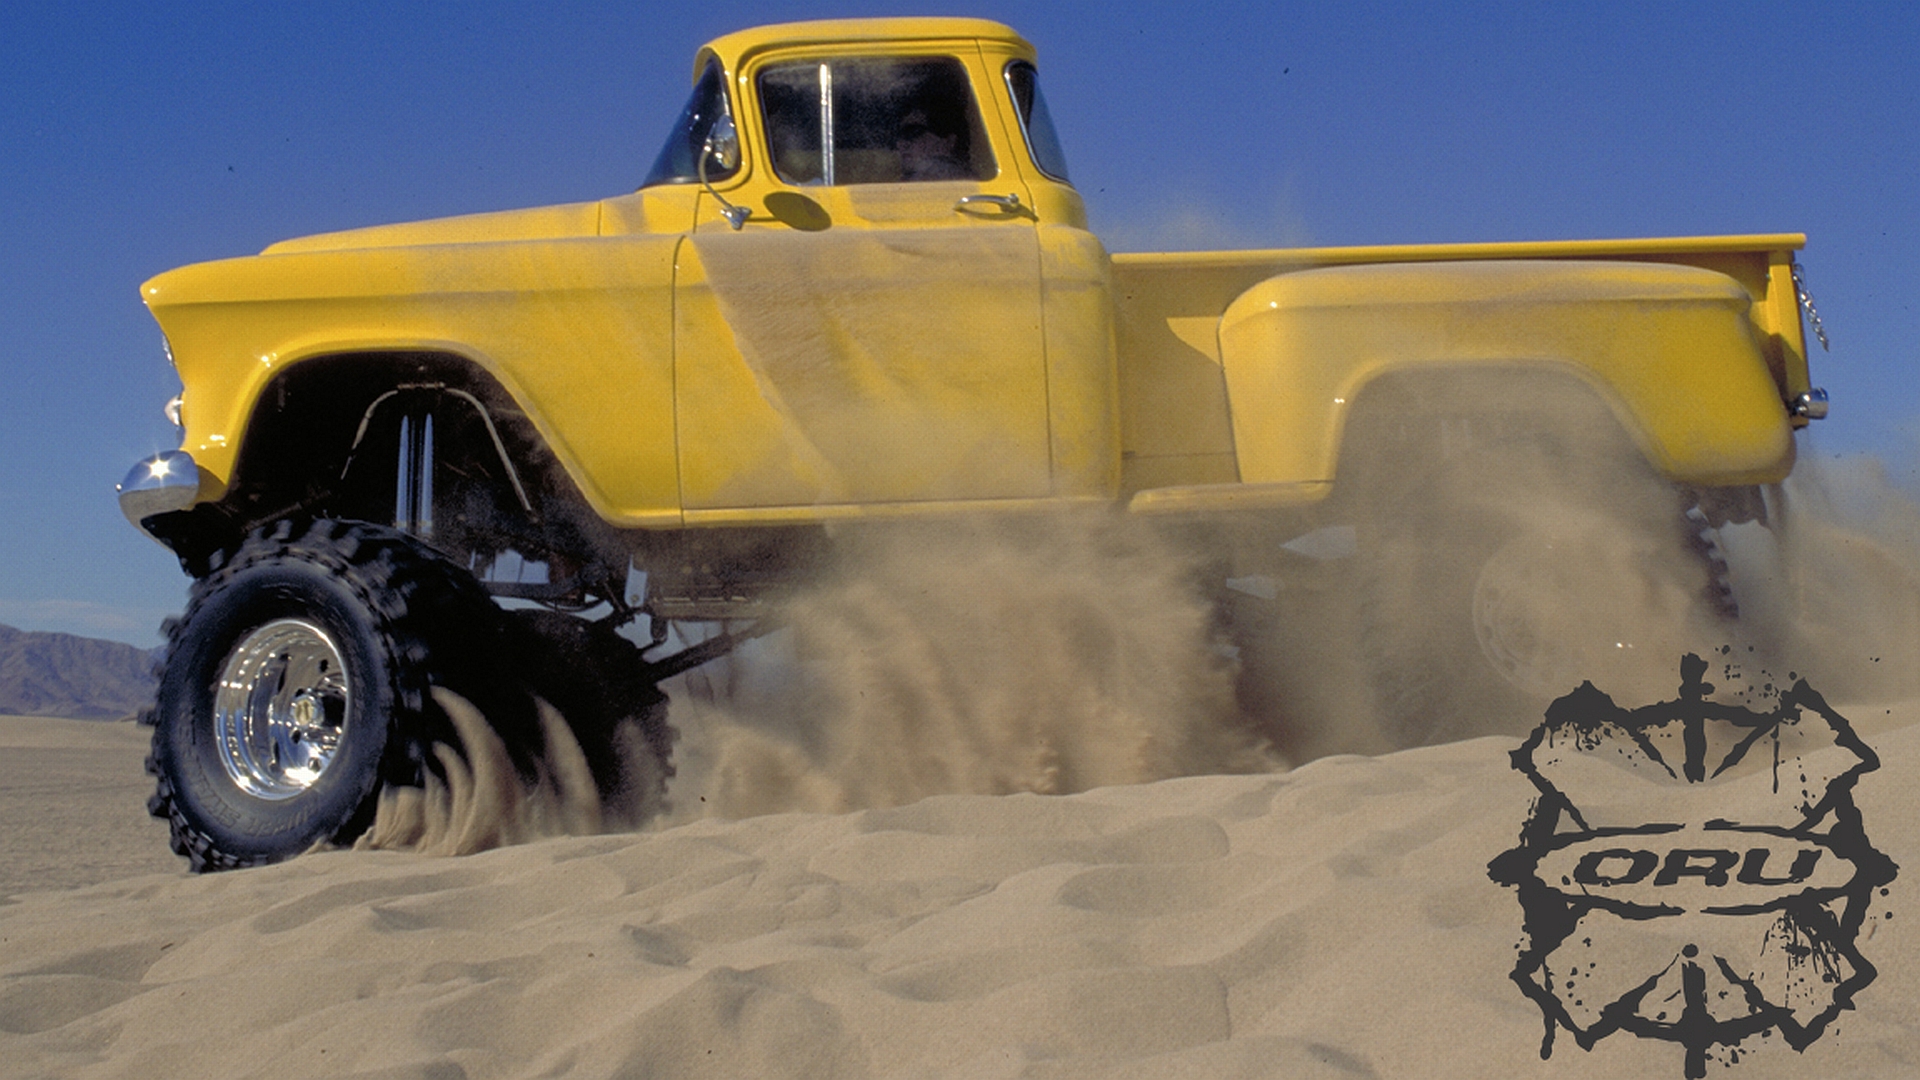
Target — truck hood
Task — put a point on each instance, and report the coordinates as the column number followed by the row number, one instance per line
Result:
column 538, row 223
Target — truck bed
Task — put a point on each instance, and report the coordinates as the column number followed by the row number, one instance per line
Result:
column 1175, row 423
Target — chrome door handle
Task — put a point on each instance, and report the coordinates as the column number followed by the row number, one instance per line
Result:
column 1009, row 203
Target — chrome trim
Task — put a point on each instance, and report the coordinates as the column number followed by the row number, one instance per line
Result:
column 499, row 444
column 723, row 146
column 172, row 409
column 1812, row 404
column 1004, row 202
column 281, row 707
column 160, row 484
column 1026, row 121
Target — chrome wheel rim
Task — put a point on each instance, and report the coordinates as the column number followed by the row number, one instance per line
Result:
column 1520, row 592
column 281, row 708
column 1597, row 603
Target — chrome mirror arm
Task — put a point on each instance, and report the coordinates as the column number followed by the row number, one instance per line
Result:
column 722, row 145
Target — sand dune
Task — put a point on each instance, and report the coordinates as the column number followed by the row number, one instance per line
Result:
column 1335, row 921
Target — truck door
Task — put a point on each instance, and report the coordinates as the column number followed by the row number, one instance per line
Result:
column 871, row 334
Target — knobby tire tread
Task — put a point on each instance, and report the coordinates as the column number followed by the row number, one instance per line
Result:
column 416, row 597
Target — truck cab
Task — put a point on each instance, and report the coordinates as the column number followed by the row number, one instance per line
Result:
column 887, row 300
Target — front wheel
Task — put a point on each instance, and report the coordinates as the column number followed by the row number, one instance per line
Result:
column 296, row 684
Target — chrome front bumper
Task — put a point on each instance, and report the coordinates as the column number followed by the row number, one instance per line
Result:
column 160, row 484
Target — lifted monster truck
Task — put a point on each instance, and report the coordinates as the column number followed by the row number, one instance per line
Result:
column 857, row 286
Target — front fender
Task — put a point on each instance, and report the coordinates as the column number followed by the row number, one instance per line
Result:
column 577, row 331
column 1671, row 349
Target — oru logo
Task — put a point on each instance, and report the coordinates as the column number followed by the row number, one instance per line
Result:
column 1693, row 871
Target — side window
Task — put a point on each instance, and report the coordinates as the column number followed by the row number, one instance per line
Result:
column 1042, row 140
column 871, row 120
column 679, row 160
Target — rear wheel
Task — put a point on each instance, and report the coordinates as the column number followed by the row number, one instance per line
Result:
column 296, row 685
column 1513, row 540
column 1489, row 596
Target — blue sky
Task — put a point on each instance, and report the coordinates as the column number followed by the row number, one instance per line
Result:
column 139, row 137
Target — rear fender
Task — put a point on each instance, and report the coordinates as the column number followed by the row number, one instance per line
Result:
column 1670, row 350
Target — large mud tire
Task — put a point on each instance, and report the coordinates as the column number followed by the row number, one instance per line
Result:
column 1478, row 608
column 1513, row 540
column 296, row 685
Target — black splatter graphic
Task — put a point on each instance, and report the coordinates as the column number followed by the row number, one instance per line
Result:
column 1646, row 911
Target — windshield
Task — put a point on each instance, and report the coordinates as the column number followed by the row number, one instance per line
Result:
column 1042, row 140
column 679, row 160
column 874, row 120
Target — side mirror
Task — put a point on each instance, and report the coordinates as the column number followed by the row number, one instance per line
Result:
column 722, row 148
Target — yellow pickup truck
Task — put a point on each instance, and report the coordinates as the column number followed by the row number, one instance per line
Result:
column 858, row 285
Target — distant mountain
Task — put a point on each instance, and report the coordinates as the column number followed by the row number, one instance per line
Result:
column 76, row 677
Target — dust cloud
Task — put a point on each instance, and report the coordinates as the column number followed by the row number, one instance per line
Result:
column 1057, row 653
column 1050, row 654
column 1501, row 542
column 1833, row 588
column 1533, row 549
column 479, row 800
column 1054, row 654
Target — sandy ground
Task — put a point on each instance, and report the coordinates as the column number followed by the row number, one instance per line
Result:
column 73, row 800
column 1335, row 921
